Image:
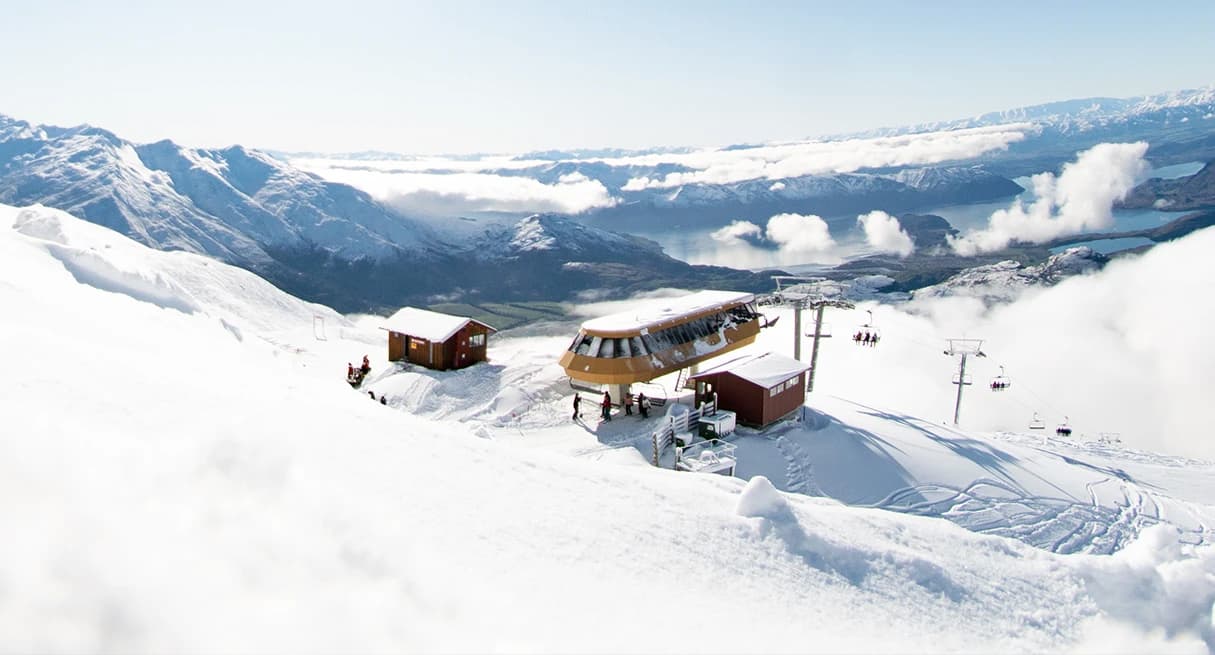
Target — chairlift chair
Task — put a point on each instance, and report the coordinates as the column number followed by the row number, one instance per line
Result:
column 1000, row 382
column 1036, row 423
column 867, row 333
column 1064, row 429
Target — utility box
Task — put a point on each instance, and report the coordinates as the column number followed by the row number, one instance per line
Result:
column 718, row 425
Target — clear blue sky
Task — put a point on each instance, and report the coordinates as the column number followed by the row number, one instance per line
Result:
column 512, row 76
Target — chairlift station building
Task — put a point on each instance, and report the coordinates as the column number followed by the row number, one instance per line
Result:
column 660, row 337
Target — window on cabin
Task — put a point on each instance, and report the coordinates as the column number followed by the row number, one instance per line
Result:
column 623, row 349
column 476, row 341
column 637, row 347
column 414, row 344
column 775, row 390
column 583, row 344
column 652, row 344
column 607, row 348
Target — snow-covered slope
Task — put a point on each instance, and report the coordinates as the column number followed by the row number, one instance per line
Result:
column 166, row 485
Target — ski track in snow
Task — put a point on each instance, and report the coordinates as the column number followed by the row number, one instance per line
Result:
column 1055, row 524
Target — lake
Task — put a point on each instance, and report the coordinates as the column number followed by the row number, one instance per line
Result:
column 1106, row 246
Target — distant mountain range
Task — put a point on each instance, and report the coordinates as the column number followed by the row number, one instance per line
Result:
column 321, row 240
column 1179, row 125
column 336, row 244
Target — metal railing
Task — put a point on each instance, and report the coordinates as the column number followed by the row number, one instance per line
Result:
column 664, row 436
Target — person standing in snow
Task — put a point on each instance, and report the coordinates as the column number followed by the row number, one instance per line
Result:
column 349, row 372
column 628, row 404
column 366, row 365
column 643, row 405
column 577, row 406
column 607, row 406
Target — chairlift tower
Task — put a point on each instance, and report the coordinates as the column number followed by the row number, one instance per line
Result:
column 962, row 348
column 816, row 293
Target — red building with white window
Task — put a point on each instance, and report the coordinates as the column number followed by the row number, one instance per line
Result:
column 434, row 340
column 761, row 389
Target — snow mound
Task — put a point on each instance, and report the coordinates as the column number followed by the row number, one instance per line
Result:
column 760, row 499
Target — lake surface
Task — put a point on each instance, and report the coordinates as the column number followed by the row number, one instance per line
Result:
column 699, row 247
column 1106, row 246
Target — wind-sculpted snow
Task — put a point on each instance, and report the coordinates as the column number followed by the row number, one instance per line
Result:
column 189, row 283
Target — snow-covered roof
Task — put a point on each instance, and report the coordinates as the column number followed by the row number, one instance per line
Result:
column 764, row 369
column 663, row 310
column 426, row 324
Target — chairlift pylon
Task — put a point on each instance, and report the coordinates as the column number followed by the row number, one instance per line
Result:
column 1001, row 381
column 867, row 333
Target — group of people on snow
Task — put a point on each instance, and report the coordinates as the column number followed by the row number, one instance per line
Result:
column 355, row 375
column 865, row 338
column 642, row 403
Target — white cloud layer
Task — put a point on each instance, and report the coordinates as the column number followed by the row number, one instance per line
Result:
column 737, row 233
column 454, row 194
column 884, row 234
column 777, row 161
column 1124, row 350
column 801, row 235
column 788, row 239
column 1079, row 199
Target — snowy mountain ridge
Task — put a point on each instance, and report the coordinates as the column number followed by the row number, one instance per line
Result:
column 1006, row 280
column 1080, row 115
column 233, row 203
column 320, row 239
